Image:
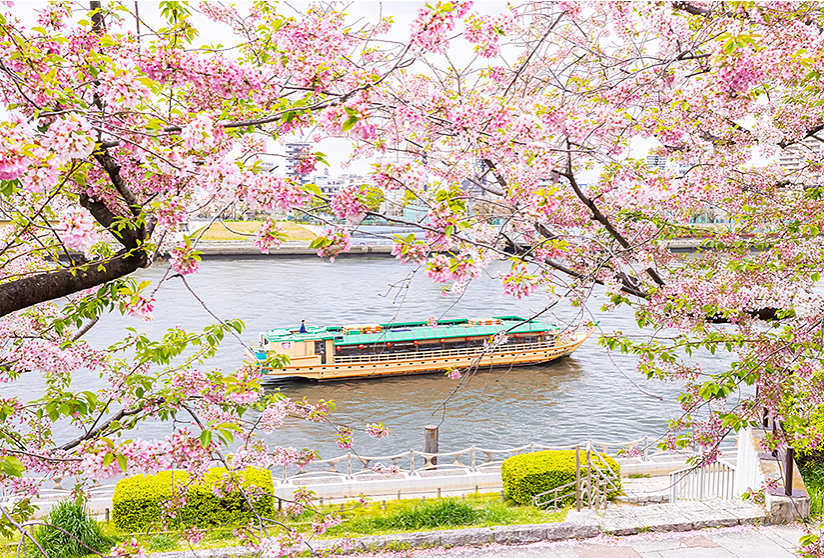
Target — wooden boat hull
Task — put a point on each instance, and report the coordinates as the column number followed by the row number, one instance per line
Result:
column 377, row 366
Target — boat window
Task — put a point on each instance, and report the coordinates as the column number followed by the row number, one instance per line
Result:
column 320, row 349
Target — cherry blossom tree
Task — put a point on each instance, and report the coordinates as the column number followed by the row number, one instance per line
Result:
column 522, row 135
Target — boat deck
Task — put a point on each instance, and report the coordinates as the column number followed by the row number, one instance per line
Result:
column 427, row 361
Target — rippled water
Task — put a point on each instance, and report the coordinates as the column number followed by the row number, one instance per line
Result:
column 583, row 396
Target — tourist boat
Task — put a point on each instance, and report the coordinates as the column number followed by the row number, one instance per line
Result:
column 377, row 350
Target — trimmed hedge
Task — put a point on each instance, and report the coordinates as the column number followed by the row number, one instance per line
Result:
column 138, row 500
column 529, row 474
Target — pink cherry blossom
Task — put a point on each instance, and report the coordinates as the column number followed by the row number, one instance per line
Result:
column 269, row 235
column 77, row 228
column 183, row 259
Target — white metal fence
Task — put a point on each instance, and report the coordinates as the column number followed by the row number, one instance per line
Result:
column 713, row 481
column 471, row 459
column 351, row 467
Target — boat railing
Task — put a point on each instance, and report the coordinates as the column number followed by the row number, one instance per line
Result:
column 469, row 460
column 447, row 353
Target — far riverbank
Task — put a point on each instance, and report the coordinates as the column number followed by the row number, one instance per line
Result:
column 291, row 249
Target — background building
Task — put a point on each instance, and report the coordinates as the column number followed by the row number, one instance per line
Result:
column 293, row 152
column 794, row 156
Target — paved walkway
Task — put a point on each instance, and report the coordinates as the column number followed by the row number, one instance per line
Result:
column 605, row 533
column 778, row 541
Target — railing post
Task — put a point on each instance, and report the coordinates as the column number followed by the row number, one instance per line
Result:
column 473, row 459
column 349, row 465
column 773, row 428
column 589, row 479
column 789, row 456
column 577, row 479
column 673, row 492
column 646, row 448
column 431, row 442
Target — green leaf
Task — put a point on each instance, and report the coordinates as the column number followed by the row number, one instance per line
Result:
column 349, row 124
column 227, row 436
column 205, row 438
column 807, row 540
column 12, row 466
column 319, row 242
column 312, row 188
column 9, row 187
column 121, row 460
column 108, row 459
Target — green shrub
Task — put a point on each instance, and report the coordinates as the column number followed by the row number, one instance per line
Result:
column 530, row 474
column 138, row 500
column 79, row 533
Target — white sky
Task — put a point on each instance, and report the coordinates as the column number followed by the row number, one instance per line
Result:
column 403, row 12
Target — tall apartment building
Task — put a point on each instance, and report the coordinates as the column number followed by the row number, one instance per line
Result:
column 792, row 158
column 657, row 161
column 680, row 168
column 328, row 186
column 293, row 151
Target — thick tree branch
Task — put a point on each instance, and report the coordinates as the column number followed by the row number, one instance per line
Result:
column 496, row 174
column 784, row 144
column 629, row 285
column 29, row 291
column 113, row 170
column 690, row 8
column 103, row 215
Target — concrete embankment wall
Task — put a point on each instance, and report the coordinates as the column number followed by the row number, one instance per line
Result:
column 242, row 249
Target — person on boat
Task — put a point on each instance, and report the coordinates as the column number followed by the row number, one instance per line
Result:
column 302, row 326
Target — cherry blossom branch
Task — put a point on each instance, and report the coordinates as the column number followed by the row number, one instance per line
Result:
column 23, row 531
column 601, row 218
column 100, row 428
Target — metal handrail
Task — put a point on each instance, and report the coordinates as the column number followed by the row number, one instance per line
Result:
column 591, row 486
column 473, row 459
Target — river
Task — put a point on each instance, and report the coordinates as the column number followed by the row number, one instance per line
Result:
column 587, row 395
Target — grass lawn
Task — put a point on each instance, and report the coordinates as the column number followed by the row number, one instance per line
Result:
column 813, row 475
column 400, row 516
column 218, row 232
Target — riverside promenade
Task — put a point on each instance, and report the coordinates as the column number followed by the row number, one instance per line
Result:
column 776, row 541
column 722, row 529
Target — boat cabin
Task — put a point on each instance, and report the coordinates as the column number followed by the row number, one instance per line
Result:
column 323, row 345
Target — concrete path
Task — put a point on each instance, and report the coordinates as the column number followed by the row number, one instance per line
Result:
column 778, row 541
column 586, row 527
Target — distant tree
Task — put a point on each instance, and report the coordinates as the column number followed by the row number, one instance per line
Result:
column 373, row 197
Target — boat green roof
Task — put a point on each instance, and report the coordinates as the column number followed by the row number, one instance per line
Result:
column 410, row 331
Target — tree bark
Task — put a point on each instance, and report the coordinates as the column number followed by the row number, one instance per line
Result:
column 29, row 291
